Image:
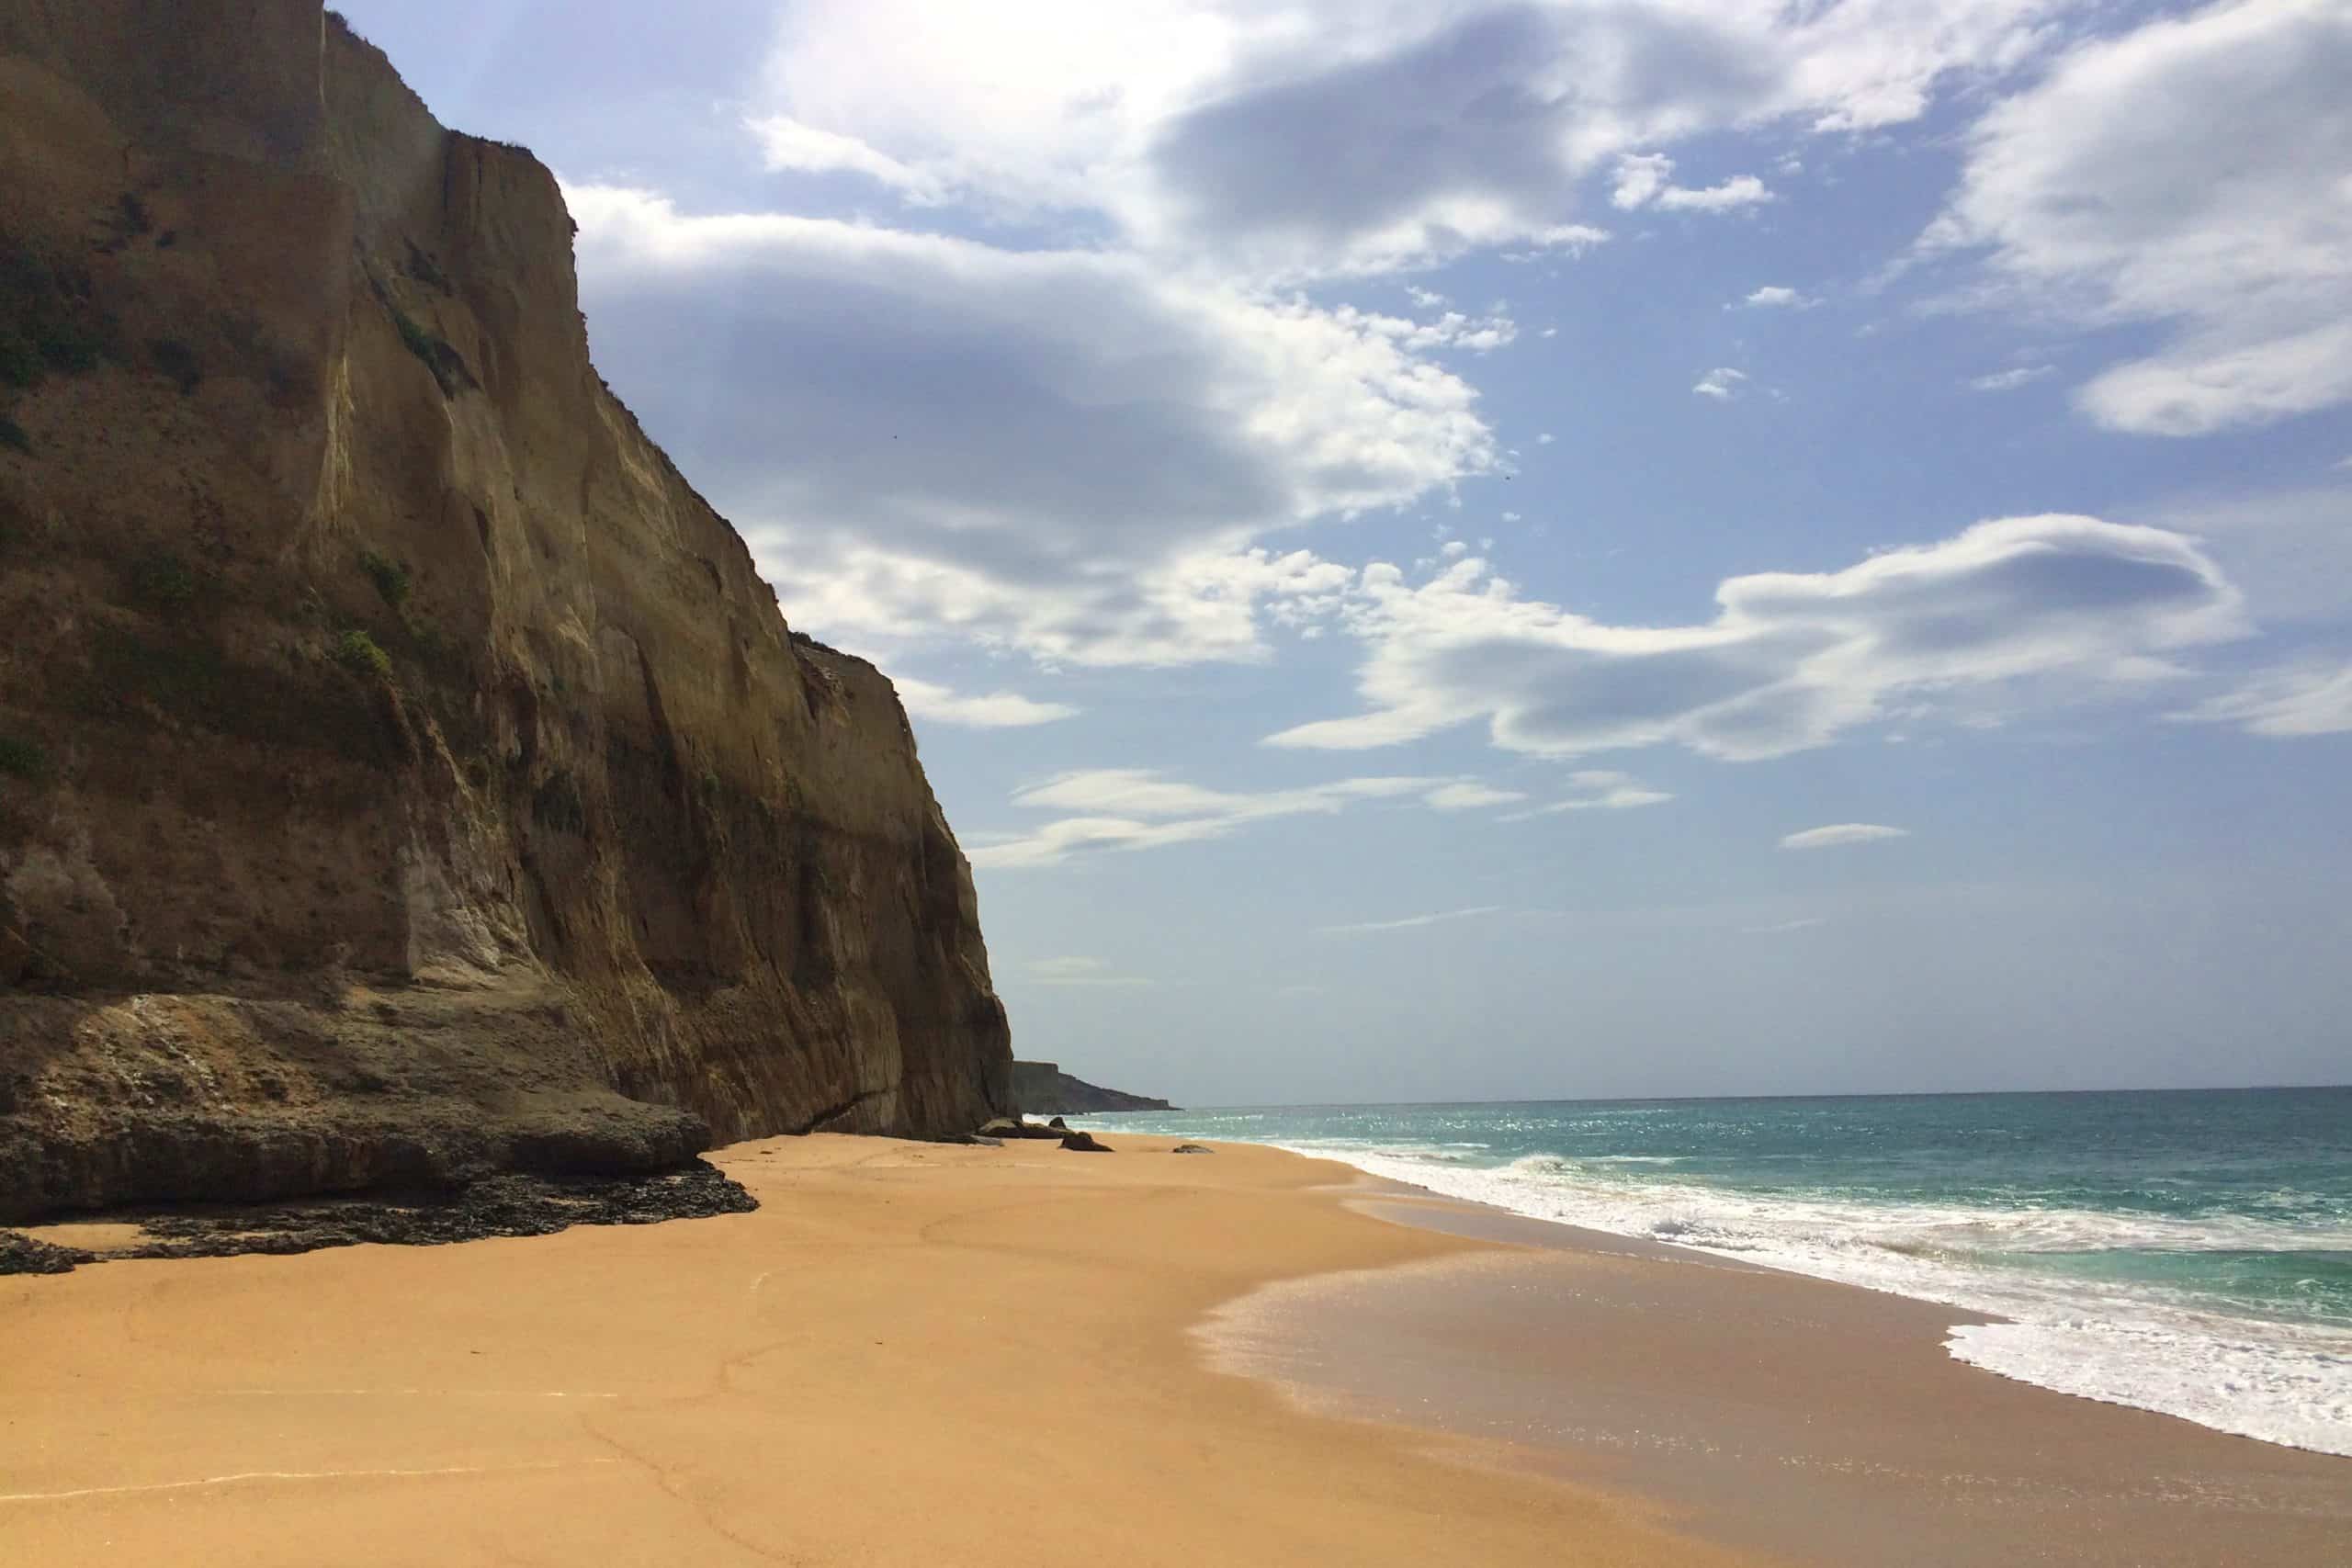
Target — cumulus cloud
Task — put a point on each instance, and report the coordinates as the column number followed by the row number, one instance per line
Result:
column 1330, row 136
column 2010, row 380
column 1842, row 833
column 1138, row 808
column 1075, row 970
column 1778, row 296
column 1721, row 383
column 993, row 710
column 1066, row 453
column 2191, row 173
column 1647, row 180
column 2310, row 697
column 1411, row 922
column 2050, row 607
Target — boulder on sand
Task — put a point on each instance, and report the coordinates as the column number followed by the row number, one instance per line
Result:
column 1084, row 1143
column 1191, row 1149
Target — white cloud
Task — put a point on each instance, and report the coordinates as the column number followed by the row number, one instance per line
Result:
column 1599, row 789
column 1411, row 922
column 1741, row 191
column 1469, row 795
column 995, row 710
column 1638, row 180
column 2312, row 697
column 1721, row 383
column 1647, row 180
column 1780, row 927
column 1077, row 971
column 2036, row 609
column 1842, row 833
column 785, row 144
column 1546, row 438
column 1269, row 138
column 1778, row 296
column 2195, row 172
column 1138, row 809
column 1065, row 453
column 2010, row 380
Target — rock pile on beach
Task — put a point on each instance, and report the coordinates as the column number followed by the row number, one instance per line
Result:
column 497, row 1206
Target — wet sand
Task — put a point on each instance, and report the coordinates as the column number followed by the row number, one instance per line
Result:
column 1771, row 1410
column 916, row 1354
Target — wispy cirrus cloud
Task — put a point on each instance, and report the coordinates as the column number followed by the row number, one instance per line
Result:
column 1410, row 922
column 991, row 710
column 1140, row 808
column 1599, row 789
column 1841, row 833
column 1077, row 970
column 2311, row 696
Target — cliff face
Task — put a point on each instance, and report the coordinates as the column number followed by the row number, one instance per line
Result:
column 402, row 770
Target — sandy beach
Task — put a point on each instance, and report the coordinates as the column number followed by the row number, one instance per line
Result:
column 917, row 1353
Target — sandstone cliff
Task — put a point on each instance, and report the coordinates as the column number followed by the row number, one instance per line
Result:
column 404, row 773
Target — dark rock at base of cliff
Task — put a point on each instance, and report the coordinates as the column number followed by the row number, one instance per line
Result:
column 1085, row 1143
column 1057, row 1123
column 119, row 1159
column 27, row 1255
column 1012, row 1127
column 498, row 1206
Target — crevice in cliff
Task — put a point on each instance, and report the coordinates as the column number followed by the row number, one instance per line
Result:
column 835, row 1113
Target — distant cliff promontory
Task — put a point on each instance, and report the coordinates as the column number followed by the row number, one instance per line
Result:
column 1041, row 1088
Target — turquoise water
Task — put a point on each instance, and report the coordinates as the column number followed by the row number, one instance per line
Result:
column 2189, row 1252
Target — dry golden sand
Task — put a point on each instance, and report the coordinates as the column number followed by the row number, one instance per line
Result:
column 910, row 1354
column 917, row 1354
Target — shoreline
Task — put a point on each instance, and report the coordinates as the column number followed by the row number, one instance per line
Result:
column 2268, row 1376
column 916, row 1351
column 1769, row 1410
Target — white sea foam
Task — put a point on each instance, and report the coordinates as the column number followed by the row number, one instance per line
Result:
column 2123, row 1342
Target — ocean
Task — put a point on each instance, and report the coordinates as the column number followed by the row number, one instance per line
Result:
column 2189, row 1252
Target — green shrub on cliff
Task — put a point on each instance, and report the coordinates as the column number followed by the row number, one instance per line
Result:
column 357, row 653
column 177, row 362
column 163, row 583
column 13, row 436
column 389, row 577
column 47, row 319
column 23, row 760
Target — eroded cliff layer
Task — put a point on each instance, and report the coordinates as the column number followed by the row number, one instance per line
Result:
column 404, row 773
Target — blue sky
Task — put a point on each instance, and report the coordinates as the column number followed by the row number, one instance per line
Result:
column 1457, row 550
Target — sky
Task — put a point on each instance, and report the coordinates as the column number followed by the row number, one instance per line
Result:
column 1460, row 551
